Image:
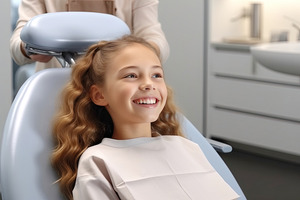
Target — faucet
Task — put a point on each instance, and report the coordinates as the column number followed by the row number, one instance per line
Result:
column 295, row 24
column 298, row 28
column 255, row 15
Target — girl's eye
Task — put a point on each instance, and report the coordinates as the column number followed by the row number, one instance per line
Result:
column 158, row 75
column 130, row 76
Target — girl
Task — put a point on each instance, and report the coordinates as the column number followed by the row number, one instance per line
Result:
column 118, row 136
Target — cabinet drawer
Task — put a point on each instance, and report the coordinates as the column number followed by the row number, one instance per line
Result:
column 232, row 63
column 273, row 100
column 263, row 132
column 241, row 64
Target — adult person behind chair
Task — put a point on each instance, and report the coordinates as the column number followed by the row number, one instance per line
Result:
column 141, row 16
column 117, row 132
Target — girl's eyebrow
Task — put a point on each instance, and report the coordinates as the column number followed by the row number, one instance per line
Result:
column 158, row 66
column 136, row 67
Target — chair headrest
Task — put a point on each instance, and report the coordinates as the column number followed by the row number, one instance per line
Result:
column 75, row 32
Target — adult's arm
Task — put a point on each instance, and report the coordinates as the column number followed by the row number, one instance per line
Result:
column 147, row 25
column 27, row 10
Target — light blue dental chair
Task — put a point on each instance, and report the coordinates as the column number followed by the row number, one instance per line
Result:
column 27, row 144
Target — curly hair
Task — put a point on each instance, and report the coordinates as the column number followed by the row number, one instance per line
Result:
column 80, row 123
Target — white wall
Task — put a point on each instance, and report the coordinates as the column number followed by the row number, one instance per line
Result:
column 182, row 22
column 274, row 12
column 5, row 68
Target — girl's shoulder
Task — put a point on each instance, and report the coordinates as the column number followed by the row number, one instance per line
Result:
column 178, row 139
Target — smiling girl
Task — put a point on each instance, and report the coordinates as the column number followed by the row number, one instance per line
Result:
column 118, row 136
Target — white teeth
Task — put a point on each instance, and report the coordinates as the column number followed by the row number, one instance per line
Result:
column 146, row 101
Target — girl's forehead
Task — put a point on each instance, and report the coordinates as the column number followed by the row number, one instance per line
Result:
column 136, row 53
column 136, row 47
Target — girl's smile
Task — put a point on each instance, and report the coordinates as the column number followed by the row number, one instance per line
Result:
column 146, row 101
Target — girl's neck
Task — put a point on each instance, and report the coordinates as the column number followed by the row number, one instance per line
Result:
column 133, row 131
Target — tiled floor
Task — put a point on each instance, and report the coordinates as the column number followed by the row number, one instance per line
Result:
column 263, row 178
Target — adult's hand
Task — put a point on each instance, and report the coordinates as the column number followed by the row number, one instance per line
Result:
column 35, row 57
column 41, row 58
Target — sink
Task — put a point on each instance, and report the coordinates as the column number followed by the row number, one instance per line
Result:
column 279, row 56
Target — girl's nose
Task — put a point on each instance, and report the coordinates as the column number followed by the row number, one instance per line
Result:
column 147, row 85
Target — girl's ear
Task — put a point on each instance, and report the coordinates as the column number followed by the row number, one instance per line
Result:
column 97, row 97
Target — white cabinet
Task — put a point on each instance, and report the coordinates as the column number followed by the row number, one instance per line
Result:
column 250, row 104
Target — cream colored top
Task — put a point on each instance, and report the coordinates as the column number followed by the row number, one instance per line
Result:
column 140, row 15
column 160, row 168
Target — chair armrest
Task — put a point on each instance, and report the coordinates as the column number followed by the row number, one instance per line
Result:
column 219, row 146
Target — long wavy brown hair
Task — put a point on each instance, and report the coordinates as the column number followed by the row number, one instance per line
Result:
column 80, row 123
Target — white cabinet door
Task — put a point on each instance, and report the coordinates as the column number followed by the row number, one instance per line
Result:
column 273, row 100
column 273, row 134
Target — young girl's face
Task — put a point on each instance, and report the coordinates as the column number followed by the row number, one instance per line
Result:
column 134, row 89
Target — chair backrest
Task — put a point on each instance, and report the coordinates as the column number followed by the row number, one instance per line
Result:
column 26, row 172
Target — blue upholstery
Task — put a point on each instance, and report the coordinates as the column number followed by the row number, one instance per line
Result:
column 213, row 157
column 26, row 172
column 22, row 74
column 71, row 36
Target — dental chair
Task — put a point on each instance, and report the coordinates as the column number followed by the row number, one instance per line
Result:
column 25, row 169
